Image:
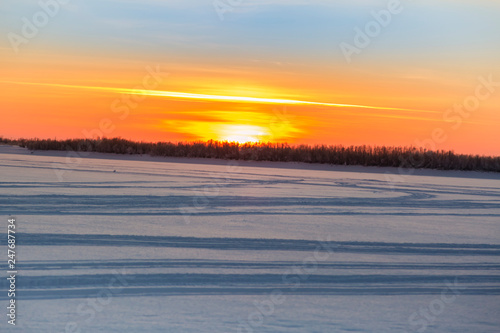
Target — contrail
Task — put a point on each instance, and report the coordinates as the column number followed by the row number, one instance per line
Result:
column 222, row 98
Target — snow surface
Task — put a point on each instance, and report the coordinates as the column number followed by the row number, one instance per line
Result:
column 110, row 243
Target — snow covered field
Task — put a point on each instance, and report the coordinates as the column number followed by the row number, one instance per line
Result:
column 112, row 243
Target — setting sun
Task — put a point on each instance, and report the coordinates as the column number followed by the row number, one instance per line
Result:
column 242, row 133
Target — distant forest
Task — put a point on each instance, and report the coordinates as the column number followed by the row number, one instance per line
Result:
column 406, row 157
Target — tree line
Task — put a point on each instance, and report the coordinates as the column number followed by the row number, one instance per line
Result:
column 406, row 157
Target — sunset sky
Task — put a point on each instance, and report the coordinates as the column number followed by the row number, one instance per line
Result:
column 272, row 70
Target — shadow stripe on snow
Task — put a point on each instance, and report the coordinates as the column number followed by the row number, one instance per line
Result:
column 27, row 239
column 61, row 203
column 205, row 291
column 277, row 280
column 196, row 263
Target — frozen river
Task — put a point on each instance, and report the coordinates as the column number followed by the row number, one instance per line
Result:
column 110, row 243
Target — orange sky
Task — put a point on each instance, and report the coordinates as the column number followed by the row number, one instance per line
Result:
column 52, row 90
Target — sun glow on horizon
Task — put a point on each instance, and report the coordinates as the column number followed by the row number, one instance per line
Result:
column 242, row 133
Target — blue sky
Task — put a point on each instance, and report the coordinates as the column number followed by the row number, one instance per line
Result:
column 285, row 29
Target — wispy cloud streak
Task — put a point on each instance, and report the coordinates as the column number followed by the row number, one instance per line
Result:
column 219, row 98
